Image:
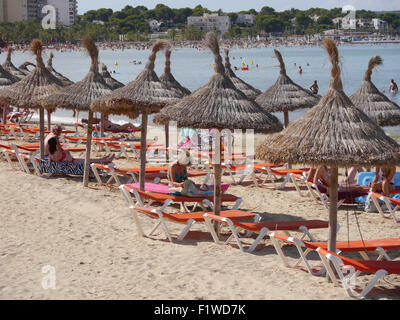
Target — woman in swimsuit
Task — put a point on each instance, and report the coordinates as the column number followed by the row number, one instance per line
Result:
column 322, row 177
column 384, row 180
column 56, row 153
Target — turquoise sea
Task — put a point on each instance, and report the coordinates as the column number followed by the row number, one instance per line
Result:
column 193, row 68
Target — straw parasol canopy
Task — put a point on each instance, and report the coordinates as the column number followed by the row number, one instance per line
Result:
column 168, row 79
column 374, row 103
column 66, row 82
column 9, row 66
column 111, row 82
column 32, row 89
column 145, row 95
column 285, row 95
column 250, row 92
column 81, row 94
column 24, row 67
column 7, row 78
column 170, row 82
column 333, row 133
column 220, row 105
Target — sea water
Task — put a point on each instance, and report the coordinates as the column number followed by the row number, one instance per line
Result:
column 193, row 68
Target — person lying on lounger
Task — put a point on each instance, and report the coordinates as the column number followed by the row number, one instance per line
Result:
column 384, row 180
column 322, row 177
column 114, row 127
column 56, row 153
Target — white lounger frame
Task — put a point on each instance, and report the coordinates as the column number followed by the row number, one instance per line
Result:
column 391, row 207
column 234, row 233
column 347, row 274
column 206, row 204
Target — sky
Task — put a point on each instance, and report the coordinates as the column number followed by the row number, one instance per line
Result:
column 239, row 5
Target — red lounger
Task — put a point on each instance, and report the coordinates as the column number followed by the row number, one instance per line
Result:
column 168, row 199
column 262, row 228
column 379, row 268
column 189, row 219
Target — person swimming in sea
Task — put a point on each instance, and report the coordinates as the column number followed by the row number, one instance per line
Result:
column 393, row 88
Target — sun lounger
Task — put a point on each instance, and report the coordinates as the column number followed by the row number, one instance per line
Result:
column 276, row 175
column 123, row 147
column 392, row 204
column 80, row 140
column 345, row 271
column 50, row 168
column 319, row 194
column 188, row 219
column 262, row 228
column 22, row 159
column 246, row 170
column 155, row 175
column 161, row 194
column 362, row 247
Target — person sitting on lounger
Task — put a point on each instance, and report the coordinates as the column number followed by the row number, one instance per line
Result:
column 384, row 180
column 56, row 153
column 178, row 178
column 114, row 127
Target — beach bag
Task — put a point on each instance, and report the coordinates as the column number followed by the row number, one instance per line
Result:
column 370, row 206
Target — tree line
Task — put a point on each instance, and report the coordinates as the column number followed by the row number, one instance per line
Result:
column 106, row 25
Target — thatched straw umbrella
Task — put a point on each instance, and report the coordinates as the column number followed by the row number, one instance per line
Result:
column 145, row 95
column 9, row 66
column 220, row 105
column 24, row 67
column 170, row 82
column 333, row 133
column 81, row 94
column 112, row 83
column 285, row 95
column 6, row 79
column 250, row 92
column 66, row 82
column 32, row 89
column 374, row 103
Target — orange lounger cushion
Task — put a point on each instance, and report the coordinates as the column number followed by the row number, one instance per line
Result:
column 197, row 216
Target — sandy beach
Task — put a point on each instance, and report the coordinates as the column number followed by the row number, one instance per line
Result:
column 88, row 236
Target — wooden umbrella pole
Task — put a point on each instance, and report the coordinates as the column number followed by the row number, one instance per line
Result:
column 88, row 149
column 4, row 114
column 166, row 129
column 286, row 118
column 217, row 174
column 41, row 119
column 48, row 120
column 333, row 200
column 102, row 125
column 143, row 147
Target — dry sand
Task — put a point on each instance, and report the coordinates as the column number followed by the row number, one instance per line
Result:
column 90, row 238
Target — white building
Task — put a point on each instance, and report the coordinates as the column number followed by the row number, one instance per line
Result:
column 210, row 22
column 349, row 23
column 67, row 11
column 247, row 19
column 364, row 23
column 380, row 24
